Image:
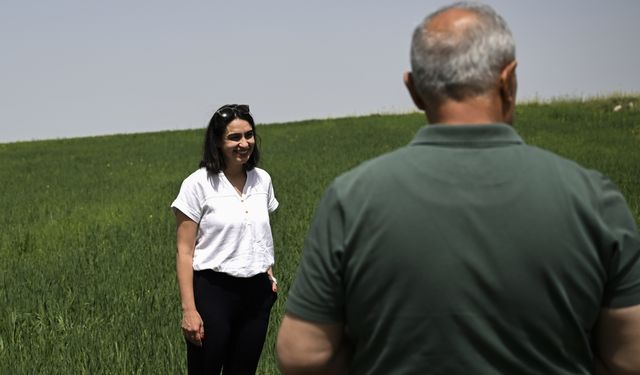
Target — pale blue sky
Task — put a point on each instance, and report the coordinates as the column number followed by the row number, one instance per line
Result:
column 73, row 68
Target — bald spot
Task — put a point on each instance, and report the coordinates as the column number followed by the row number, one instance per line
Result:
column 452, row 22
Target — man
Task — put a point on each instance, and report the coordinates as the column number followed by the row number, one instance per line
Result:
column 466, row 252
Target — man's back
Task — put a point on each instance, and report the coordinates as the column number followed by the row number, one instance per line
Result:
column 465, row 252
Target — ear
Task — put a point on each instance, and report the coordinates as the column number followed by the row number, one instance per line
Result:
column 508, row 81
column 508, row 89
column 408, row 82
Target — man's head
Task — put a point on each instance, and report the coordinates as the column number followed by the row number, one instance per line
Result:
column 461, row 52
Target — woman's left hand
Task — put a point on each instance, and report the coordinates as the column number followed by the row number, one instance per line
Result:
column 274, row 281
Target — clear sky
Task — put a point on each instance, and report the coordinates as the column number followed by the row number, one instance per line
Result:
column 71, row 68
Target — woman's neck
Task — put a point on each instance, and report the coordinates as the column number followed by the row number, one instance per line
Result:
column 237, row 178
column 235, row 172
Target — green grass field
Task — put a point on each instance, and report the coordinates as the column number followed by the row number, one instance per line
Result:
column 87, row 280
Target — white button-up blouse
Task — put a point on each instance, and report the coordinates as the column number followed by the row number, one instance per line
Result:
column 234, row 233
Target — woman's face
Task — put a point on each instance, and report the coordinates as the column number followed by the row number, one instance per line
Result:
column 237, row 143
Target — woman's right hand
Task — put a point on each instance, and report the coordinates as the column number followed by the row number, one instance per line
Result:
column 193, row 327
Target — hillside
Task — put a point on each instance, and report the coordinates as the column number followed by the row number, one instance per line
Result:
column 87, row 281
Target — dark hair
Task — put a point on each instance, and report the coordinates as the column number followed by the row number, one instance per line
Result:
column 212, row 157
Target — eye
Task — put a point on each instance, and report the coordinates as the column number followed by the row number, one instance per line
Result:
column 248, row 135
column 234, row 137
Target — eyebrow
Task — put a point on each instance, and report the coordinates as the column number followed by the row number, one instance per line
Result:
column 246, row 134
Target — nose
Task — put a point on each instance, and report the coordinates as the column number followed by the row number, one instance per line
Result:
column 244, row 142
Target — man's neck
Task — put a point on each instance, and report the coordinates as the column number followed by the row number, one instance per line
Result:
column 475, row 111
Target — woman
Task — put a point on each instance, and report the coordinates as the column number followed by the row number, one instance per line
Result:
column 225, row 249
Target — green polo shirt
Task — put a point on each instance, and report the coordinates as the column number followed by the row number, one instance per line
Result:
column 468, row 252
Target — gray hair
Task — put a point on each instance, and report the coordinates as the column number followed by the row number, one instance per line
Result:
column 459, row 65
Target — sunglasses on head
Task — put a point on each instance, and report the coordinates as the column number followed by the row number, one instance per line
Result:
column 232, row 110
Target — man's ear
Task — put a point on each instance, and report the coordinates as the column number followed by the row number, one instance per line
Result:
column 509, row 83
column 408, row 82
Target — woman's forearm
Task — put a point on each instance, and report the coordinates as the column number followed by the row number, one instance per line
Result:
column 184, row 271
column 185, row 246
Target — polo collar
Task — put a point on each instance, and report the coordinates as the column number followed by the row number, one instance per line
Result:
column 489, row 135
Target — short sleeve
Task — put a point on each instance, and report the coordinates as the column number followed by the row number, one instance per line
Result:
column 190, row 198
column 623, row 285
column 317, row 292
column 272, row 201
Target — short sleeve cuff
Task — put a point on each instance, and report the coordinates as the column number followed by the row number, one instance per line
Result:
column 184, row 208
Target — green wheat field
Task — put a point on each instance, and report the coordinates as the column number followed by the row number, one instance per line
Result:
column 87, row 239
